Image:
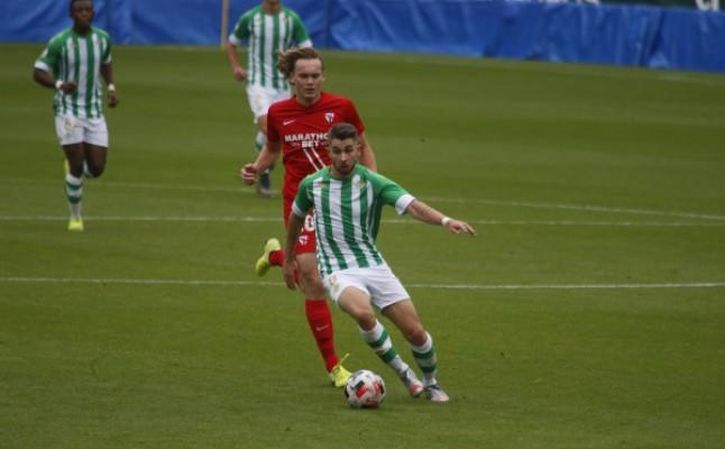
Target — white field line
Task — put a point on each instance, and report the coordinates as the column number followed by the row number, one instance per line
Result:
column 581, row 207
column 143, row 218
column 249, row 219
column 140, row 185
column 527, row 204
column 221, row 283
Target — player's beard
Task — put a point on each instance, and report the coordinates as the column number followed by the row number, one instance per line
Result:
column 344, row 171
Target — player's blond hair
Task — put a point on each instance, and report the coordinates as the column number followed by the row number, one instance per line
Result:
column 288, row 59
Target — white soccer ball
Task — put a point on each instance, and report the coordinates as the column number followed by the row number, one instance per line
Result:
column 364, row 389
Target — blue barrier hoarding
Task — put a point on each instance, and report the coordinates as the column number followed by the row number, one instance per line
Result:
column 648, row 36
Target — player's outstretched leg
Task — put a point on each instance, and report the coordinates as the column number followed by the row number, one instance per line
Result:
column 379, row 340
column 435, row 393
column 272, row 256
column 425, row 358
column 319, row 319
column 264, row 183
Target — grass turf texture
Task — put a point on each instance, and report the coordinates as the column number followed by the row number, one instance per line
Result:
column 573, row 175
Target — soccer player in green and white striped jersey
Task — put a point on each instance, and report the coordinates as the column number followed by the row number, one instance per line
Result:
column 347, row 199
column 270, row 29
column 73, row 64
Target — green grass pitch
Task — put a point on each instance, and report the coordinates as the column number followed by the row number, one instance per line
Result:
column 589, row 312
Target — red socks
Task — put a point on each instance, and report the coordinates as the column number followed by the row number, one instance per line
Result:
column 320, row 321
column 276, row 258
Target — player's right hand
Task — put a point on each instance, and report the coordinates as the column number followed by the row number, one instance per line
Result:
column 248, row 173
column 289, row 272
column 68, row 87
column 239, row 74
column 112, row 99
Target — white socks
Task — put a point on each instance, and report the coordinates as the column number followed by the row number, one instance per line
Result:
column 379, row 340
column 74, row 194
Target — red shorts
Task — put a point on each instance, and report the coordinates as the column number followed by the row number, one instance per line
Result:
column 306, row 242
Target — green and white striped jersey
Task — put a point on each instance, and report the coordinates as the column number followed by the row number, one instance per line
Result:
column 268, row 35
column 73, row 57
column 347, row 215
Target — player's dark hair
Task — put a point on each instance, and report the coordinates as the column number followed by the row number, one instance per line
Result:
column 72, row 2
column 288, row 59
column 342, row 131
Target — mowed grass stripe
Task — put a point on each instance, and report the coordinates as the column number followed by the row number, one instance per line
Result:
column 438, row 199
column 624, row 224
column 222, row 283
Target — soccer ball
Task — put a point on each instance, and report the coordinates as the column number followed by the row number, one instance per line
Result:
column 364, row 389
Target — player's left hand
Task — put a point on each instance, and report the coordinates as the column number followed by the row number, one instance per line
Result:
column 458, row 227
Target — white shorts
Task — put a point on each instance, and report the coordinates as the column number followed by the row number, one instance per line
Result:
column 379, row 282
column 72, row 130
column 260, row 98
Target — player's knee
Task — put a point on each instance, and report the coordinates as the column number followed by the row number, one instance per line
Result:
column 76, row 170
column 367, row 320
column 96, row 170
column 416, row 334
column 364, row 317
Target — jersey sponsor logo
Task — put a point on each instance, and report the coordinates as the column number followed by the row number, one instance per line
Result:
column 329, row 116
column 334, row 285
column 305, row 137
column 309, row 144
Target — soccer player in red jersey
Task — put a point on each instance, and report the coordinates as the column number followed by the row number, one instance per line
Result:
column 297, row 130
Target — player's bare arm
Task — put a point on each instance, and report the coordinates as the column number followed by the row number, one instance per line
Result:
column 46, row 79
column 289, row 269
column 107, row 74
column 423, row 212
column 238, row 71
column 367, row 155
column 266, row 158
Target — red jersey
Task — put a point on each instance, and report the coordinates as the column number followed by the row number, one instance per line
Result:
column 302, row 130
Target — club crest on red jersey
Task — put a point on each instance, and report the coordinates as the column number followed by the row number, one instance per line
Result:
column 329, row 116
